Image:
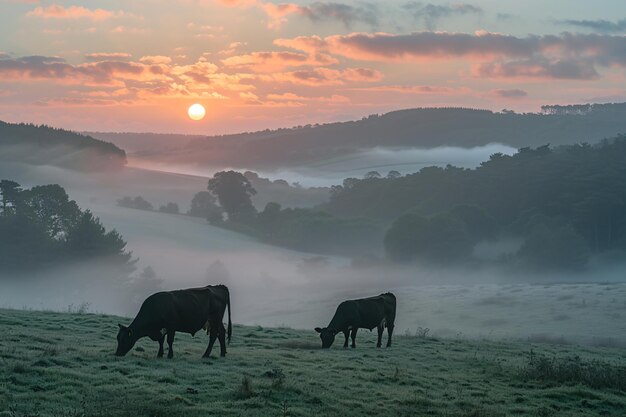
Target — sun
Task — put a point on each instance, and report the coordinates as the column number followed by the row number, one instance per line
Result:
column 196, row 111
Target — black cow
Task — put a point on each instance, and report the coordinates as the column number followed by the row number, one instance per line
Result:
column 188, row 311
column 379, row 311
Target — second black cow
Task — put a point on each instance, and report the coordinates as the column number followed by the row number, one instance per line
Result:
column 165, row 313
column 367, row 313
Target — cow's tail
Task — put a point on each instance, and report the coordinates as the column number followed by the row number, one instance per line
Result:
column 230, row 324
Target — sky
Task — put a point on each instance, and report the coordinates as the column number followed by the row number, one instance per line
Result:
column 136, row 66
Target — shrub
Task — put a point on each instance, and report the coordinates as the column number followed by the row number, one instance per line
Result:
column 574, row 370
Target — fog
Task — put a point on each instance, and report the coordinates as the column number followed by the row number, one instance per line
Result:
column 271, row 286
column 334, row 171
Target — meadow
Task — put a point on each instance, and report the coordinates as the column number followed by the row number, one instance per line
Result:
column 62, row 364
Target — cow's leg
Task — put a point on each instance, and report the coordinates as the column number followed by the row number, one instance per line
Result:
column 161, row 339
column 389, row 333
column 354, row 329
column 170, row 342
column 222, row 338
column 381, row 330
column 212, row 337
column 346, row 333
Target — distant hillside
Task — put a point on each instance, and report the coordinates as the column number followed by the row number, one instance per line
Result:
column 43, row 145
column 140, row 143
column 423, row 128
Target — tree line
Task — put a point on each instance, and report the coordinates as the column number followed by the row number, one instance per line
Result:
column 563, row 206
column 566, row 204
column 41, row 144
column 41, row 227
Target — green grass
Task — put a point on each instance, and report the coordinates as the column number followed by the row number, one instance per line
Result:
column 60, row 364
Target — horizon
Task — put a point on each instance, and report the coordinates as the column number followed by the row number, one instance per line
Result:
column 313, row 124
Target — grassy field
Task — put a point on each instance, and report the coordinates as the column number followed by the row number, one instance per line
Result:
column 60, row 364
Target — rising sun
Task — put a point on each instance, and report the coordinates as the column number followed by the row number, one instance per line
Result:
column 196, row 112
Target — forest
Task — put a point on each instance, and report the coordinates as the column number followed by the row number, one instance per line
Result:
column 559, row 206
column 44, row 145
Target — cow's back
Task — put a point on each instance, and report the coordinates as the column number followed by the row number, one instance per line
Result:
column 366, row 312
column 181, row 310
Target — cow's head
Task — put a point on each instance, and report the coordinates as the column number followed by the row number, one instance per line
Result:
column 125, row 340
column 327, row 335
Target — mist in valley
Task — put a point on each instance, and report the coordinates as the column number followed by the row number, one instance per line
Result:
column 273, row 286
column 333, row 171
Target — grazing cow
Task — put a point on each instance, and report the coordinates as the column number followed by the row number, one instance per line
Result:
column 379, row 311
column 188, row 311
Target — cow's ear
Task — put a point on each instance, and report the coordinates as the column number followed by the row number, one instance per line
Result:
column 318, row 329
column 121, row 326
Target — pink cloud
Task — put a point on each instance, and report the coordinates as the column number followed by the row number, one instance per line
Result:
column 325, row 76
column 274, row 61
column 414, row 89
column 56, row 11
column 107, row 56
column 565, row 56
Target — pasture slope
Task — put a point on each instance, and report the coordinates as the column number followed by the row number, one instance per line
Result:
column 62, row 364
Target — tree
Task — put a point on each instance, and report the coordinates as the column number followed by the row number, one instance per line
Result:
column 203, row 205
column 437, row 239
column 138, row 203
column 234, row 192
column 141, row 204
column 267, row 219
column 554, row 247
column 393, row 174
column 89, row 240
column 171, row 208
column 371, row 175
column 478, row 223
column 9, row 191
column 50, row 206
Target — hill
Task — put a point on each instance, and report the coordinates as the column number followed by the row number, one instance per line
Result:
column 421, row 128
column 58, row 364
column 44, row 145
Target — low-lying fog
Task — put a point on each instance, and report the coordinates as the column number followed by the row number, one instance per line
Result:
column 271, row 286
column 334, row 171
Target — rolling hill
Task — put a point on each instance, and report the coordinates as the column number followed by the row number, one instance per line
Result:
column 44, row 145
column 413, row 128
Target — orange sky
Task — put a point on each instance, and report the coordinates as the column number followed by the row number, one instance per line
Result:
column 136, row 66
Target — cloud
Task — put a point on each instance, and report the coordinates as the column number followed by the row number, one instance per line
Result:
column 318, row 11
column 565, row 56
column 364, row 13
column 539, row 68
column 56, row 11
column 310, row 44
column 151, row 76
column 292, row 100
column 512, row 93
column 316, row 77
column 431, row 14
column 414, row 89
column 505, row 16
column 205, row 31
column 274, row 61
column 602, row 26
column 107, row 56
column 155, row 59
